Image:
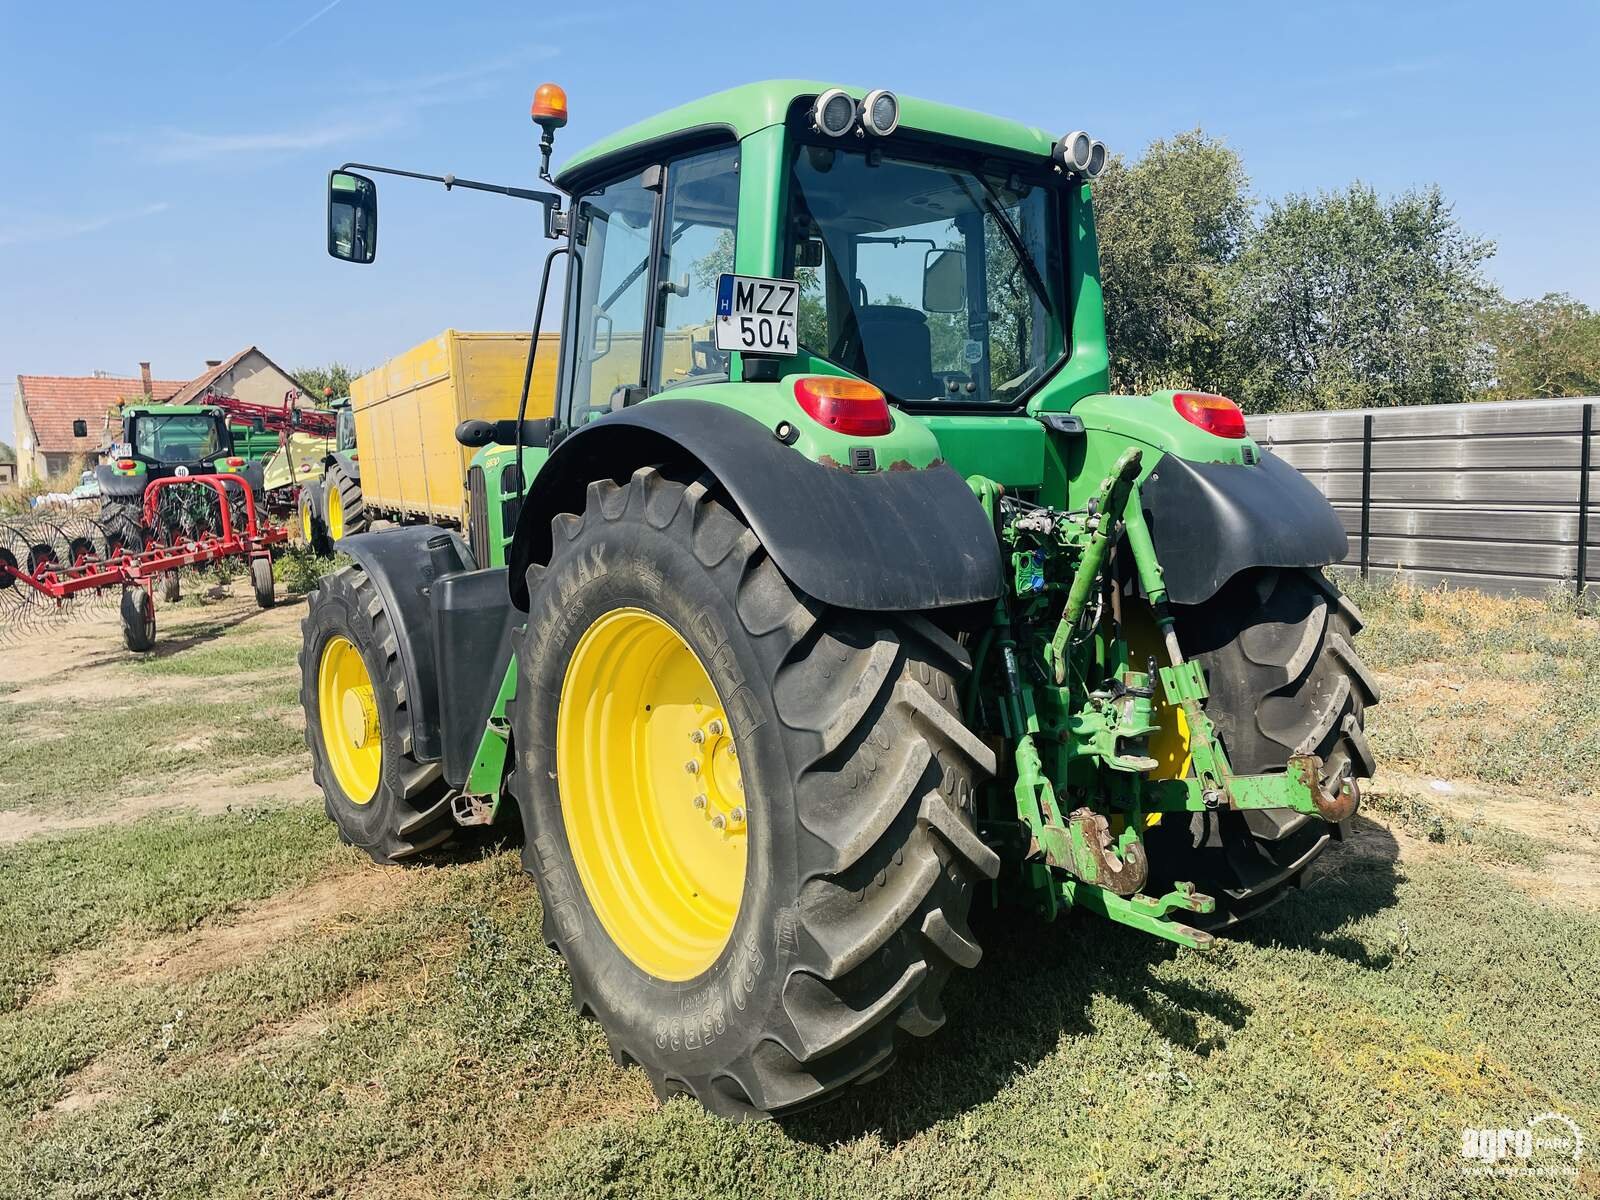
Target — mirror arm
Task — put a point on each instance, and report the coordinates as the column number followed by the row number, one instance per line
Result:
column 550, row 200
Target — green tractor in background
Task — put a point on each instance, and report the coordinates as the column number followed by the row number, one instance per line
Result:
column 837, row 590
column 158, row 441
column 331, row 506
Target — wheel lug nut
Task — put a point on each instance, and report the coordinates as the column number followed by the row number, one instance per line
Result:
column 717, row 821
column 715, row 727
column 737, row 815
column 700, row 800
column 692, row 767
column 697, row 737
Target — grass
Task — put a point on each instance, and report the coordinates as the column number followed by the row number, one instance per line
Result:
column 1524, row 712
column 239, row 1006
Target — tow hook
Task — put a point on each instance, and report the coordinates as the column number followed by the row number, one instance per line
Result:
column 1333, row 806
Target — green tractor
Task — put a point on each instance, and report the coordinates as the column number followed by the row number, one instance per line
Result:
column 159, row 441
column 837, row 592
column 330, row 507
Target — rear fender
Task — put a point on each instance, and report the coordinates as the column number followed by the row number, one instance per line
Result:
column 1211, row 520
column 897, row 540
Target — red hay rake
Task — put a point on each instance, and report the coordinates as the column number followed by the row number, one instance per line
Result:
column 50, row 561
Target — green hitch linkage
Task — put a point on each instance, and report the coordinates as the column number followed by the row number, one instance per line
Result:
column 1111, row 500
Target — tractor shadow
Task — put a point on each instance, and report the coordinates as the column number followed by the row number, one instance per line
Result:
column 1038, row 983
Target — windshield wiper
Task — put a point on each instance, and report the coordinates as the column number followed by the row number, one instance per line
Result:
column 990, row 203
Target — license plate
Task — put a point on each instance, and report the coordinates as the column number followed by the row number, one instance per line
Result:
column 756, row 315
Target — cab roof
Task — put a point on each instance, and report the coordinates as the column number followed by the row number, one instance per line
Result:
column 741, row 111
column 169, row 410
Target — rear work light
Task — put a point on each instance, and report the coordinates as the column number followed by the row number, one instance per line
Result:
column 1214, row 414
column 849, row 406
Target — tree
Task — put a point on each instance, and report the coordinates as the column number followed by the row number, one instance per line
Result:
column 1544, row 347
column 313, row 380
column 1345, row 300
column 1170, row 225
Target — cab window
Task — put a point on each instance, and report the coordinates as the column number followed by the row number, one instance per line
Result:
column 702, row 209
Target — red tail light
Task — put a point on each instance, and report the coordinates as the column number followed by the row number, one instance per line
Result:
column 849, row 406
column 1214, row 414
column 236, row 462
column 126, row 464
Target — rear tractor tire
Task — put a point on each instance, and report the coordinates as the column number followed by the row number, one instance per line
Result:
column 344, row 511
column 353, row 693
column 1277, row 647
column 750, row 816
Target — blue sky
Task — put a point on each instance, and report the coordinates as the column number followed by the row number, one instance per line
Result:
column 164, row 163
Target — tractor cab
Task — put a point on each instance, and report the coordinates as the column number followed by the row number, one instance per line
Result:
column 344, row 425
column 166, row 437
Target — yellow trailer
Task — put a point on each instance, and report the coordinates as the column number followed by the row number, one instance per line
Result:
column 407, row 410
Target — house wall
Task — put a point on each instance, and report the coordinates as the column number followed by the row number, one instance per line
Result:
column 8, row 474
column 30, row 463
column 256, row 380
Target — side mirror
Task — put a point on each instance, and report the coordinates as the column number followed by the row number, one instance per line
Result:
column 944, row 281
column 352, row 217
column 80, row 428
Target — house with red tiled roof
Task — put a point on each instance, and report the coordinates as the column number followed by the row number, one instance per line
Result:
column 46, row 406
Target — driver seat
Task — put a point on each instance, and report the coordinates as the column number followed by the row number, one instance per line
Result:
column 897, row 350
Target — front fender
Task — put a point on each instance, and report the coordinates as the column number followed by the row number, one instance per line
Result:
column 1211, row 520
column 897, row 540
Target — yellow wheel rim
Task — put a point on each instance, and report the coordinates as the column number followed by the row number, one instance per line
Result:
column 335, row 514
column 305, row 521
column 348, row 711
column 651, row 794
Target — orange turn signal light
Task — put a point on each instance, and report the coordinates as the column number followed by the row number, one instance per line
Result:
column 126, row 464
column 550, row 105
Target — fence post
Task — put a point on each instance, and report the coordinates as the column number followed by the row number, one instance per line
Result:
column 1584, row 460
column 1366, row 492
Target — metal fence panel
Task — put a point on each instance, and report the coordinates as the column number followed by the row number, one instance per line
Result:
column 1502, row 496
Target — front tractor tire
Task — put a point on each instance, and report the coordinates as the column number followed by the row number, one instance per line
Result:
column 1277, row 647
column 353, row 693
column 749, row 816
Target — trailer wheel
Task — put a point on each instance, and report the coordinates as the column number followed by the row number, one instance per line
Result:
column 750, row 816
column 261, row 580
column 346, row 511
column 138, row 619
column 1284, row 678
column 353, row 692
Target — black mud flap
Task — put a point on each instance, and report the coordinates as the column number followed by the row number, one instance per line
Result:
column 887, row 541
column 400, row 566
column 1209, row 521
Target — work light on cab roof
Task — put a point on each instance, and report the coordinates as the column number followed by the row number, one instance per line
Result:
column 835, row 113
column 1079, row 152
